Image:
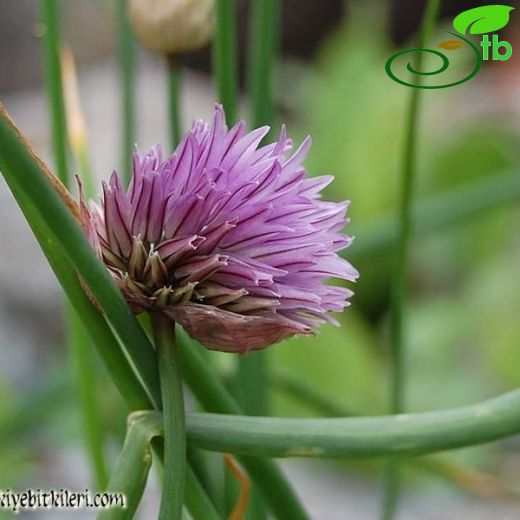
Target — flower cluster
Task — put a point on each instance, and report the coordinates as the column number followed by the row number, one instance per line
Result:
column 227, row 237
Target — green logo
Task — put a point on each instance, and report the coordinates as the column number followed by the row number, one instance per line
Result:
column 480, row 20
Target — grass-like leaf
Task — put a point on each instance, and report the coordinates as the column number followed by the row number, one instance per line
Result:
column 37, row 195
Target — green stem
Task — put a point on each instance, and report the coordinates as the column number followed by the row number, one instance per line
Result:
column 225, row 57
column 197, row 501
column 405, row 223
column 409, row 434
column 28, row 413
column 440, row 211
column 130, row 472
column 54, row 85
column 251, row 383
column 298, row 388
column 363, row 437
column 263, row 44
column 201, row 464
column 253, row 369
column 174, row 423
column 174, row 84
column 94, row 323
column 27, row 180
column 84, row 372
column 214, row 396
column 127, row 75
column 132, row 467
column 399, row 292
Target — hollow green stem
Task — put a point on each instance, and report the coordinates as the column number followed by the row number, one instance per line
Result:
column 213, row 395
column 363, row 437
column 174, row 423
column 298, row 388
column 225, row 57
column 404, row 434
column 253, row 369
column 130, row 472
column 83, row 363
column 102, row 337
column 264, row 19
column 399, row 290
column 263, row 43
column 84, row 375
column 405, row 224
column 201, row 465
column 132, row 467
column 440, row 211
column 127, row 81
column 33, row 408
column 54, row 85
column 26, row 178
column 83, row 367
column 174, row 111
column 197, row 501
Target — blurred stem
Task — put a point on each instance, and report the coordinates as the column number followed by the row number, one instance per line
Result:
column 51, row 210
column 52, row 73
column 85, row 380
column 252, row 380
column 174, row 84
column 303, row 392
column 213, row 395
column 197, row 501
column 251, row 384
column 440, row 211
column 100, row 332
column 400, row 289
column 174, row 421
column 127, row 74
column 225, row 57
column 263, row 44
column 84, row 370
column 75, row 119
column 263, row 41
column 34, row 408
column 198, row 461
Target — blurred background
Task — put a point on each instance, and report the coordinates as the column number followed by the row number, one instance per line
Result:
column 464, row 335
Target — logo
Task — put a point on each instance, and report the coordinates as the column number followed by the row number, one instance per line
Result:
column 480, row 20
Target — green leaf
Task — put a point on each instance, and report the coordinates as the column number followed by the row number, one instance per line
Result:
column 69, row 247
column 482, row 20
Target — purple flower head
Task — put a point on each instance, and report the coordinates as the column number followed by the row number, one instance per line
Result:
column 228, row 238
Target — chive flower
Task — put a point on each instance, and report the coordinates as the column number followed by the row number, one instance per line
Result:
column 227, row 237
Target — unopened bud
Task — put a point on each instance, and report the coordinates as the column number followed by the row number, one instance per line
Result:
column 172, row 26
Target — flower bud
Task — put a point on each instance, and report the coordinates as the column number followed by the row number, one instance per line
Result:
column 172, row 26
